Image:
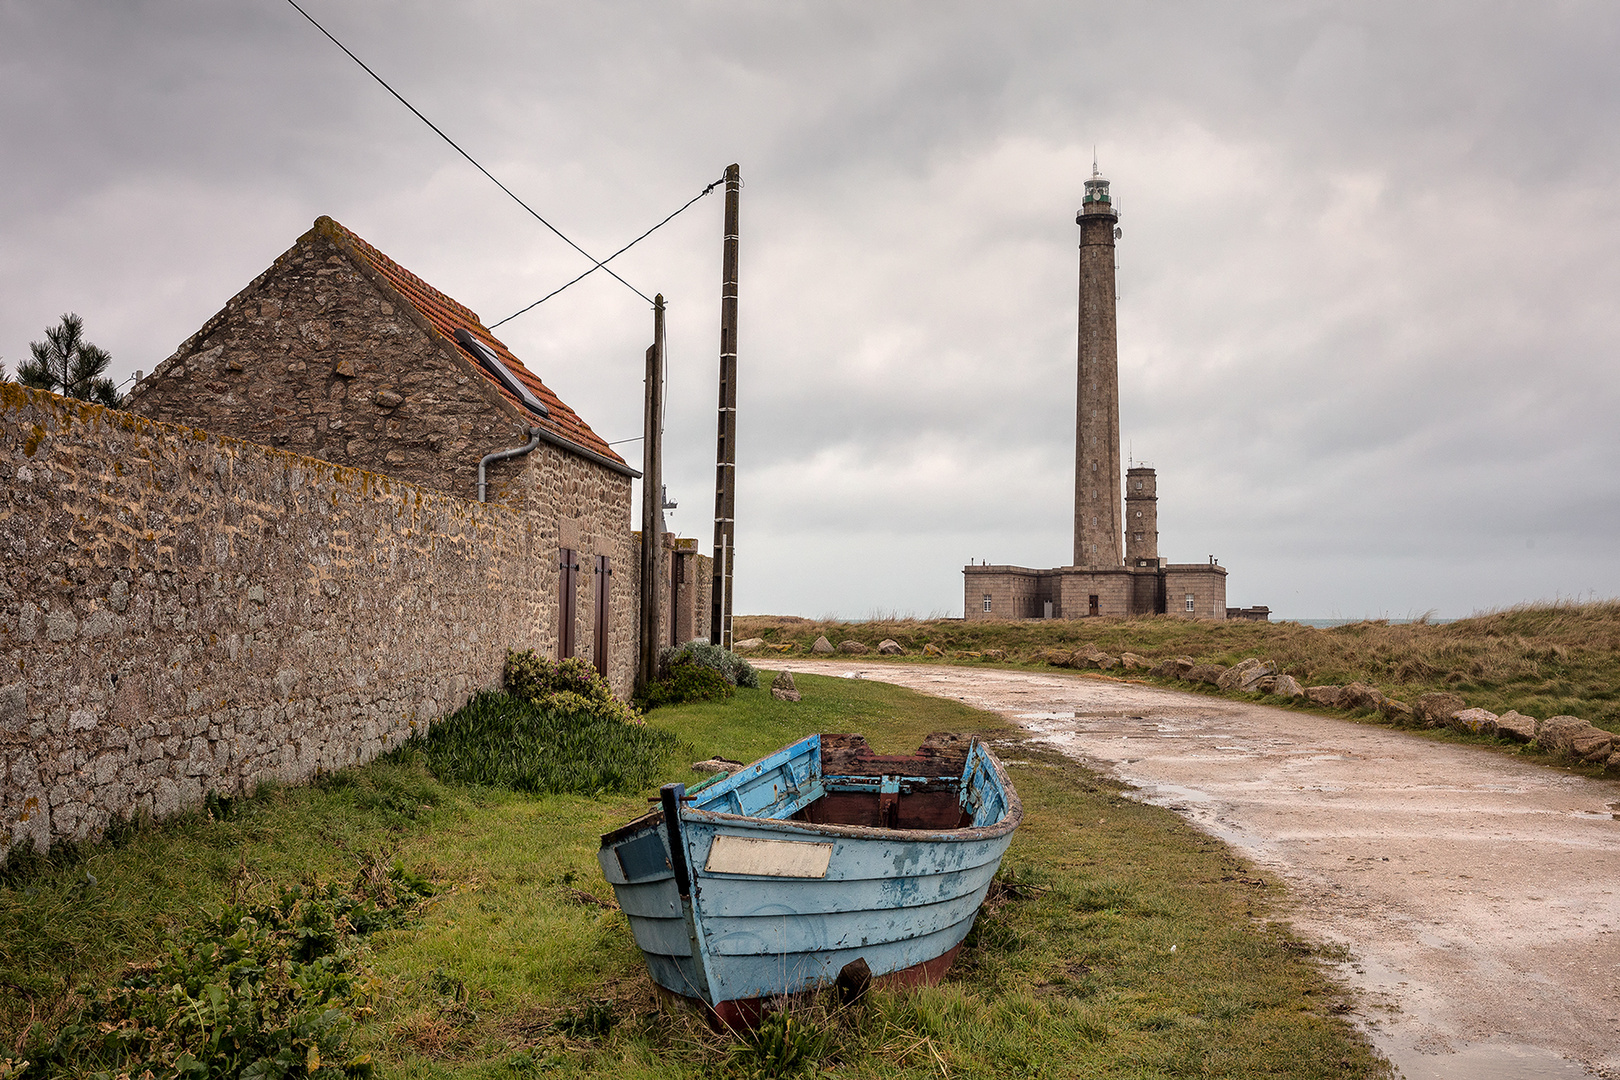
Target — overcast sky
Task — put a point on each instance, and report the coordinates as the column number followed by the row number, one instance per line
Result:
column 1369, row 279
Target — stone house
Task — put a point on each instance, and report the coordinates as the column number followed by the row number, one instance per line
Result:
column 339, row 353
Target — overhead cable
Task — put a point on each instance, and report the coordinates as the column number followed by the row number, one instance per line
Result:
column 603, row 264
column 599, row 265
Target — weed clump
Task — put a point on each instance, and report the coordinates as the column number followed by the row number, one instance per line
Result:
column 264, row 991
column 509, row 741
column 564, row 686
column 735, row 670
column 686, row 681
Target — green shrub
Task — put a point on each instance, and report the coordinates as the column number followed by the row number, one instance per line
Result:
column 263, row 992
column 566, row 686
column 686, row 682
column 736, row 670
column 568, row 746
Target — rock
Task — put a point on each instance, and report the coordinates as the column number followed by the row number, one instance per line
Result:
column 1287, row 686
column 1592, row 745
column 785, row 647
column 1105, row 662
column 1324, row 695
column 889, row 647
column 1478, row 721
column 1245, row 675
column 747, row 643
column 1614, row 760
column 973, row 654
column 1179, row 668
column 715, row 764
column 1398, row 713
column 931, row 649
column 387, row 399
column 822, row 645
column 995, row 654
column 1433, row 710
column 1557, row 733
column 1360, row 695
column 1058, row 657
column 1205, row 673
column 1095, row 658
column 1131, row 662
column 1266, row 685
column 1515, row 725
column 782, row 688
column 854, row 648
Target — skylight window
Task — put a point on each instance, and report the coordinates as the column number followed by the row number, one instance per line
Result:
column 492, row 363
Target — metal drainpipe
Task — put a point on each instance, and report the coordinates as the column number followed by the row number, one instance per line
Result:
column 502, row 455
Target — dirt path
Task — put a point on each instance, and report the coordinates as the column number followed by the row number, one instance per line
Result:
column 1479, row 895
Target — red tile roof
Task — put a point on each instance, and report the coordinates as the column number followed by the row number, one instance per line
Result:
column 447, row 316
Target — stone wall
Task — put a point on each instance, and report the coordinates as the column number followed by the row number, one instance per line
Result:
column 1015, row 592
column 183, row 613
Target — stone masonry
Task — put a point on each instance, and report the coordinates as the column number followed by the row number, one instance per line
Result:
column 183, row 612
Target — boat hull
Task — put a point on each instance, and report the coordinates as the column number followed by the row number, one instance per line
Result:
column 776, row 906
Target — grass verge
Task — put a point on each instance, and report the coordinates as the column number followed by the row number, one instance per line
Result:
column 1120, row 942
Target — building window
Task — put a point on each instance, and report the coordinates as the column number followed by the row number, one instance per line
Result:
column 1138, row 538
column 1190, row 605
column 987, row 601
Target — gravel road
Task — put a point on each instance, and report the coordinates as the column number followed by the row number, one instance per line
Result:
column 1478, row 894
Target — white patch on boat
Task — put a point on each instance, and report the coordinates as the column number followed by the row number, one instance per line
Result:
column 768, row 858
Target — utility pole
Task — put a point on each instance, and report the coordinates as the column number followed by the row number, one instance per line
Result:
column 725, row 479
column 652, row 498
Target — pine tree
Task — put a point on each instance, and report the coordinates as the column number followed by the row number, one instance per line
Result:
column 65, row 363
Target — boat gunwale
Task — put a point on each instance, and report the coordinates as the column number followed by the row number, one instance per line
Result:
column 1012, row 815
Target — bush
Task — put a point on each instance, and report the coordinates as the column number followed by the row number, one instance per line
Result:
column 685, row 682
column 565, row 686
column 735, row 670
column 570, row 745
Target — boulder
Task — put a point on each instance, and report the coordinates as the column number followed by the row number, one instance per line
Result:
column 1557, row 733
column 1398, row 713
column 1614, row 760
column 1287, row 686
column 931, row 649
column 1058, row 657
column 1360, row 695
column 854, row 648
column 1205, row 673
column 1515, row 725
column 747, row 643
column 1095, row 658
column 1324, row 695
column 1266, row 685
column 1592, row 745
column 889, row 647
column 1478, row 721
column 1433, row 710
column 715, row 764
column 1131, row 662
column 1246, row 674
column 995, row 654
column 782, row 688
column 1179, row 668
column 822, row 645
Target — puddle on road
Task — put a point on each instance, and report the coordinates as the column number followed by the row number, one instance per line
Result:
column 1488, row 1061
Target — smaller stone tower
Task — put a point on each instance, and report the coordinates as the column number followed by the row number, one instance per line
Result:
column 1141, row 517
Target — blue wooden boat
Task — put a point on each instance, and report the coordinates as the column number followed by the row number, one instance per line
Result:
column 775, row 878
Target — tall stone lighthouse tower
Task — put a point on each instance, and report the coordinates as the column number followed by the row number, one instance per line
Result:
column 1097, row 525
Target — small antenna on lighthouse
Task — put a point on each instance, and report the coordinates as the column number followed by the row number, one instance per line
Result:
column 1094, row 169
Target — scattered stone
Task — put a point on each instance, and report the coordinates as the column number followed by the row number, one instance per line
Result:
column 995, row 654
column 715, row 764
column 1515, row 725
column 1287, row 686
column 1205, row 673
column 1131, row 662
column 1058, row 658
column 1592, row 745
column 854, row 648
column 1360, row 695
column 782, row 688
column 1266, row 685
column 1433, row 710
column 822, row 645
column 1557, row 733
column 785, row 647
column 1398, row 713
column 1478, row 721
column 1324, row 695
column 1246, row 675
column 890, row 647
column 854, row 979
column 747, row 643
column 931, row 649
column 1177, row 668
column 973, row 654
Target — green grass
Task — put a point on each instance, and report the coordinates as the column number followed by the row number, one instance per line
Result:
column 1541, row 659
column 1122, row 944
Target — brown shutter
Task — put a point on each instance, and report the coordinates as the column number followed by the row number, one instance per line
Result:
column 599, row 650
column 567, row 584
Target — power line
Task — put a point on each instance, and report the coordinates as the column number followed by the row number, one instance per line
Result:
column 603, row 264
column 436, row 130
